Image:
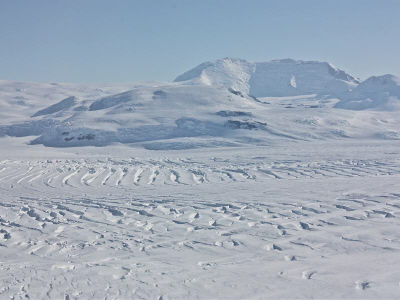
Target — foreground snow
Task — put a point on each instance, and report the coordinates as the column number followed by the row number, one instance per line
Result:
column 315, row 220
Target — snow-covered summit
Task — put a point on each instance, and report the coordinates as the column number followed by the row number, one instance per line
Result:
column 230, row 72
column 283, row 77
column 377, row 92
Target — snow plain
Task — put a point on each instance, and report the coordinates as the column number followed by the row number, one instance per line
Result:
column 292, row 199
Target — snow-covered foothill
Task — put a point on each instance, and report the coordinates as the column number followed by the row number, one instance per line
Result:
column 376, row 92
column 147, row 114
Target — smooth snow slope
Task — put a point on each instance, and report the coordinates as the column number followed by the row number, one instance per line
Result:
column 377, row 92
column 285, row 77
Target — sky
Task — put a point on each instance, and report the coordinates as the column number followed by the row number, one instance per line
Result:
column 131, row 41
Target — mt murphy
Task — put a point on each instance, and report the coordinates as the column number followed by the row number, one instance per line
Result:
column 277, row 78
column 225, row 103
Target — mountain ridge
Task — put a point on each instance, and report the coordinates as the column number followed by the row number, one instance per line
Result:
column 279, row 77
column 376, row 92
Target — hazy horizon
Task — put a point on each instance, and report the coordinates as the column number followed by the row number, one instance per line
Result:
column 131, row 41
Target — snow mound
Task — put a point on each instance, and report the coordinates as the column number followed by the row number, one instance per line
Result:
column 285, row 77
column 377, row 93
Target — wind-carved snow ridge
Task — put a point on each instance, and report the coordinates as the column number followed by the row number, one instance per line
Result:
column 62, row 105
column 285, row 77
column 202, row 225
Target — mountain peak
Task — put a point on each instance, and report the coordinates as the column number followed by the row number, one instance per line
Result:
column 383, row 80
column 376, row 92
column 279, row 77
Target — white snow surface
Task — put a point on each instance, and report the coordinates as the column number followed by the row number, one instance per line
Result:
column 200, row 191
column 283, row 77
column 305, row 220
column 376, row 92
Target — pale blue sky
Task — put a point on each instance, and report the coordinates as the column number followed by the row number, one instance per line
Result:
column 128, row 40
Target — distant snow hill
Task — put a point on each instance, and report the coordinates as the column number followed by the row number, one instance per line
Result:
column 229, row 102
column 148, row 114
column 377, row 92
column 277, row 78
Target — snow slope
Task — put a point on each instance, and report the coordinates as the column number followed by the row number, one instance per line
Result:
column 285, row 77
column 20, row 100
column 25, row 106
column 377, row 92
column 62, row 105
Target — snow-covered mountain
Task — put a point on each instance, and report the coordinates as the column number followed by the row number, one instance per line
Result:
column 211, row 105
column 377, row 92
column 285, row 77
